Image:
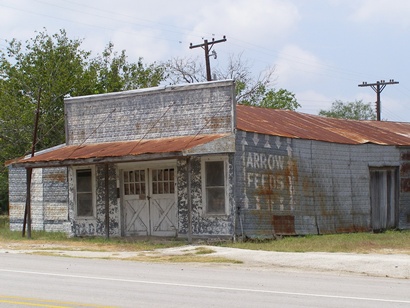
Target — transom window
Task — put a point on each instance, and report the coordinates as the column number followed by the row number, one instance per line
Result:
column 163, row 181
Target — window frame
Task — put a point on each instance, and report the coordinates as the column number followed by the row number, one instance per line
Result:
column 224, row 160
column 93, row 191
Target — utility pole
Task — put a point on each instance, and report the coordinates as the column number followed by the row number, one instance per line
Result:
column 29, row 172
column 207, row 46
column 378, row 87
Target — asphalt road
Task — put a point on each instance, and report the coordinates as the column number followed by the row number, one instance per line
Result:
column 44, row 281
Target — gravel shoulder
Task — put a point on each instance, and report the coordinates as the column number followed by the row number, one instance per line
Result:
column 380, row 265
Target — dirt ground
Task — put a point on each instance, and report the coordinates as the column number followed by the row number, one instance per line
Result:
column 391, row 264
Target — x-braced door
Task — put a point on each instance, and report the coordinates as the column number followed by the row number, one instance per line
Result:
column 150, row 202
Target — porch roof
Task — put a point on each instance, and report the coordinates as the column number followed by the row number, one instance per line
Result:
column 125, row 151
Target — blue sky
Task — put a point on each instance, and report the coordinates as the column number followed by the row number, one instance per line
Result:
column 321, row 50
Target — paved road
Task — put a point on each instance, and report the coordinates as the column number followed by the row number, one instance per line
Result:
column 44, row 281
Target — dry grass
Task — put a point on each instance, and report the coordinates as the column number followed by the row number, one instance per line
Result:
column 184, row 258
column 198, row 255
column 387, row 242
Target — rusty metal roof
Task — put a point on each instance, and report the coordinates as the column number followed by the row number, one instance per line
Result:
column 91, row 153
column 291, row 124
column 284, row 123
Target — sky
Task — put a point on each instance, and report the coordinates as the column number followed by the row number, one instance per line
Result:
column 321, row 50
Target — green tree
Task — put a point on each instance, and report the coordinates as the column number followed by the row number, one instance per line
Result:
column 275, row 99
column 46, row 69
column 249, row 90
column 356, row 110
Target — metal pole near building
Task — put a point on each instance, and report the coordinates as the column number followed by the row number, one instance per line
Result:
column 378, row 87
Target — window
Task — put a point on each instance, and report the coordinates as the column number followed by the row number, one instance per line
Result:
column 214, row 188
column 163, row 181
column 85, row 194
column 134, row 182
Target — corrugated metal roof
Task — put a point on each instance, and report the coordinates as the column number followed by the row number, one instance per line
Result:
column 291, row 124
column 176, row 145
column 284, row 123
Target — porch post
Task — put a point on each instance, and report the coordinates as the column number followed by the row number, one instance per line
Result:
column 107, row 202
column 188, row 162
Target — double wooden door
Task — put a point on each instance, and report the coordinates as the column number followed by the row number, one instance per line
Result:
column 149, row 201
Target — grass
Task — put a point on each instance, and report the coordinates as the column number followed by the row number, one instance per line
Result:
column 387, row 242
column 60, row 241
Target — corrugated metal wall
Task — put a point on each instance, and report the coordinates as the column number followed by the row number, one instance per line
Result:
column 293, row 186
column 404, row 197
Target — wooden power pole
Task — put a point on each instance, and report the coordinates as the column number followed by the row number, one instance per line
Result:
column 207, row 46
column 378, row 87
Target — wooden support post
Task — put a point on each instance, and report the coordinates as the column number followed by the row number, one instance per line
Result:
column 189, row 199
column 107, row 202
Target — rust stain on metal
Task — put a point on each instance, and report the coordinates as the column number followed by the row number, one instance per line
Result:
column 216, row 122
column 55, row 213
column 405, row 156
column 278, row 184
column 56, row 177
column 124, row 148
column 405, row 185
column 297, row 125
column 405, row 169
column 283, row 224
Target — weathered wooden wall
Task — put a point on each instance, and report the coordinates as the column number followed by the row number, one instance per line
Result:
column 151, row 113
column 203, row 225
column 49, row 202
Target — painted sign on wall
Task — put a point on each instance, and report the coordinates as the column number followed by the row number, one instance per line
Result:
column 269, row 173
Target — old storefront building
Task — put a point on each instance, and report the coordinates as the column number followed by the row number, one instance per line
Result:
column 186, row 160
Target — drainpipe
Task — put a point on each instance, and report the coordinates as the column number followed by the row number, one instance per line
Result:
column 189, row 199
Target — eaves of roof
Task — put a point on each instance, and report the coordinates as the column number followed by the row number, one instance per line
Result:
column 125, row 151
column 291, row 124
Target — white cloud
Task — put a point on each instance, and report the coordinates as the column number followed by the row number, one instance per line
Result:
column 382, row 11
column 297, row 65
column 259, row 22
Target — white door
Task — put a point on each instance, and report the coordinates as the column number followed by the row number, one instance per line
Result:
column 136, row 207
column 150, row 202
column 163, row 207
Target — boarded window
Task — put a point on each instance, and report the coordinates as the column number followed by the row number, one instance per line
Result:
column 215, row 187
column 384, row 197
column 85, row 202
